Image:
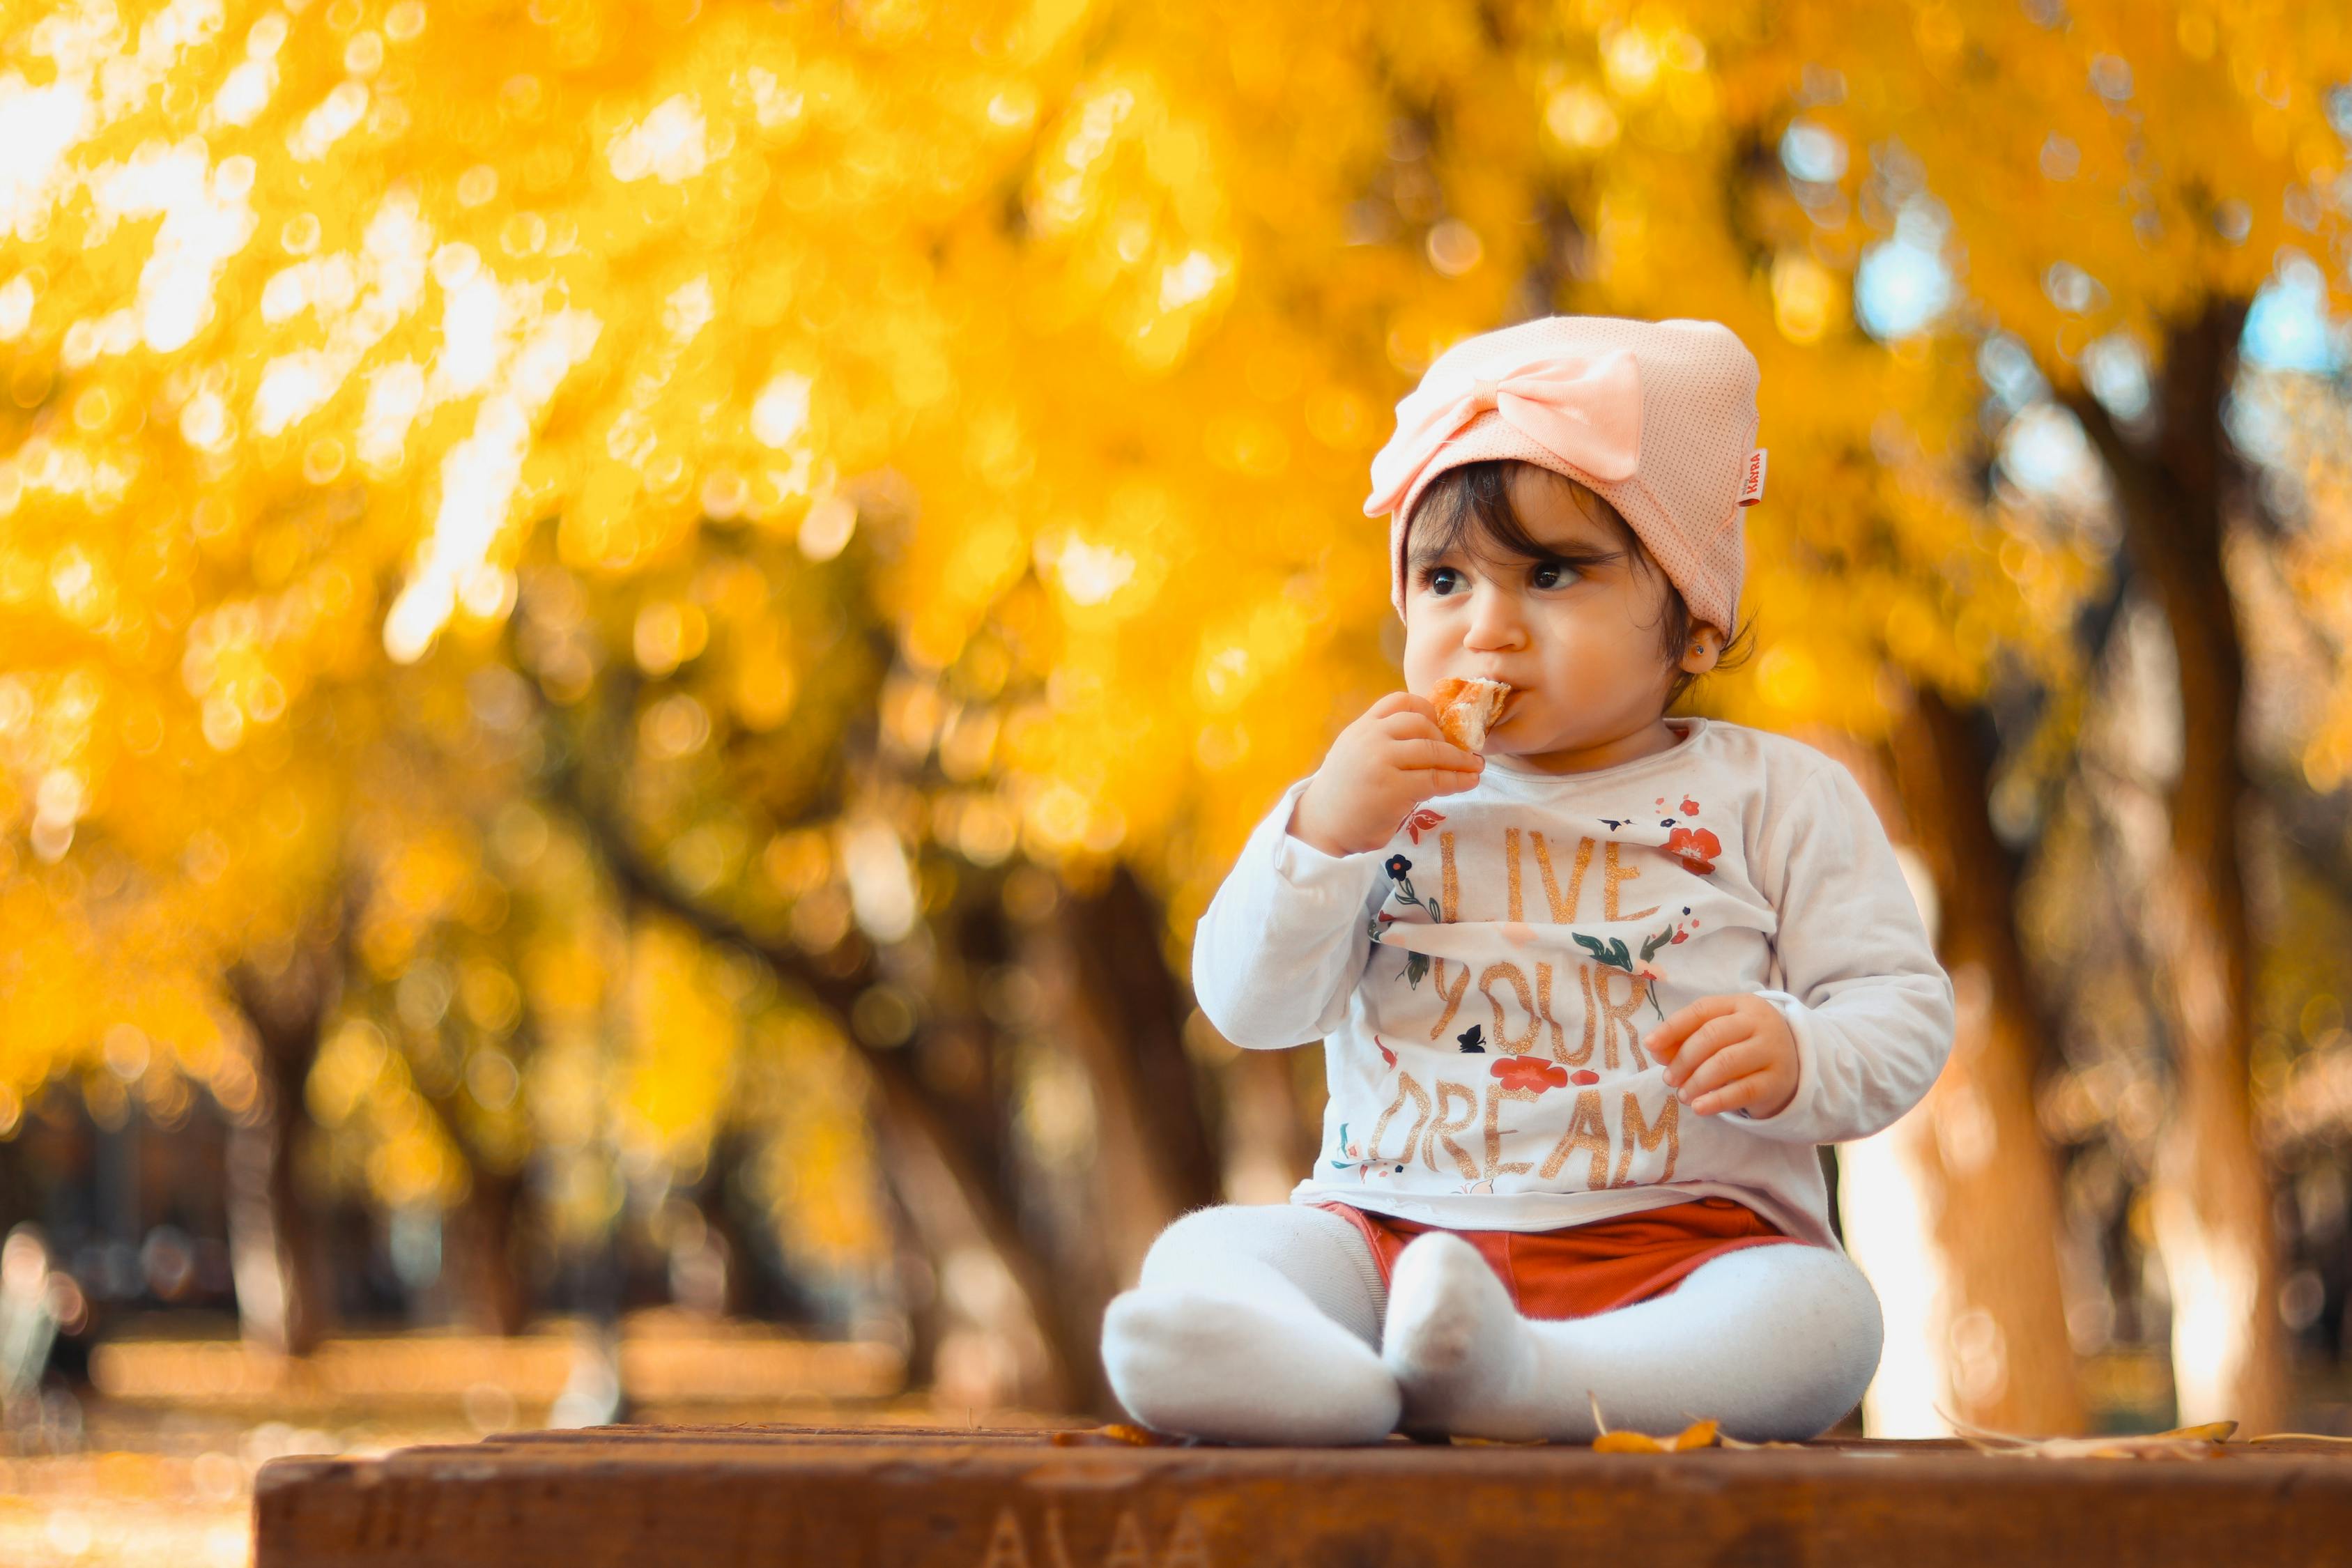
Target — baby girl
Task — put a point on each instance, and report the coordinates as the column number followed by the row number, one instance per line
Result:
column 1589, row 1001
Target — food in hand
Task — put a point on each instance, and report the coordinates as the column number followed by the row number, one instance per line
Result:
column 1465, row 708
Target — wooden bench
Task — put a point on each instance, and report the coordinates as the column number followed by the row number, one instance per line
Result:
column 881, row 1497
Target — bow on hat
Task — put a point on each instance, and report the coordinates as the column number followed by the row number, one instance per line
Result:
column 1585, row 411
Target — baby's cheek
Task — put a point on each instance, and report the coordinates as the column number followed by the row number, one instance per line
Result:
column 1425, row 652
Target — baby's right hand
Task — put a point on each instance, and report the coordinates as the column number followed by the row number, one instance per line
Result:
column 1381, row 767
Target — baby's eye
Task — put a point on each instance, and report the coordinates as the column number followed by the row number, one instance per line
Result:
column 1443, row 580
column 1552, row 575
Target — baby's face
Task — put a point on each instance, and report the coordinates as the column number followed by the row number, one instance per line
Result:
column 1576, row 634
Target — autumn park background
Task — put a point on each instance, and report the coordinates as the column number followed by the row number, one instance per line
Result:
column 631, row 636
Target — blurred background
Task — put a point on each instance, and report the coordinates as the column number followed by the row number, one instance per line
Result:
column 632, row 634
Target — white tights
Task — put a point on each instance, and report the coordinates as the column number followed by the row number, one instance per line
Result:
column 1270, row 1325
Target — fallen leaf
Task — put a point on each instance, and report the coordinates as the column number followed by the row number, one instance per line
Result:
column 1697, row 1435
column 2211, row 1432
column 1118, row 1433
column 2201, row 1442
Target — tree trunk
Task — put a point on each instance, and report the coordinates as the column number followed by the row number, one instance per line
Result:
column 1106, row 997
column 967, row 1224
column 480, row 1233
column 485, row 1274
column 1974, row 1147
column 281, row 1289
column 945, row 1169
column 914, row 1265
column 2210, row 1191
column 1116, row 1005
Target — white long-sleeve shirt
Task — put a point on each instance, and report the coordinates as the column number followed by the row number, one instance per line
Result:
column 1481, row 985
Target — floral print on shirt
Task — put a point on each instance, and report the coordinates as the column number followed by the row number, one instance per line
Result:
column 1400, row 870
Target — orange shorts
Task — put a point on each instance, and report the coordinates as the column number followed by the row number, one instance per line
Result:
column 1587, row 1269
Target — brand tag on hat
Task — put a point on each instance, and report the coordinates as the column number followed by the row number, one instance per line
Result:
column 1753, row 491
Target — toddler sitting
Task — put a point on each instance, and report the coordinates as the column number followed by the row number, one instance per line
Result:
column 1589, row 1000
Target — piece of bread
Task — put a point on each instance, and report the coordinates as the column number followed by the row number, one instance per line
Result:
column 1464, row 709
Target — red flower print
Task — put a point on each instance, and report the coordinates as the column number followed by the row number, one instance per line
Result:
column 1584, row 1075
column 1695, row 848
column 1530, row 1072
column 1690, row 807
column 1420, row 820
column 1387, row 1055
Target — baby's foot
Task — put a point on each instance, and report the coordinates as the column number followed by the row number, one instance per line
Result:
column 1211, row 1366
column 1458, row 1350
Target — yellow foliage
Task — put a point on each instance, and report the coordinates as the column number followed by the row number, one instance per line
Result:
column 683, row 1041
column 353, row 351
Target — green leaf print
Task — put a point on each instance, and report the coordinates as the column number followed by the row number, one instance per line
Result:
column 1614, row 954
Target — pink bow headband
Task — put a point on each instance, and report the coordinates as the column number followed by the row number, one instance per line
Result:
column 1586, row 412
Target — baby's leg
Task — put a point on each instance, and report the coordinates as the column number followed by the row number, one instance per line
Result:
column 1255, row 1324
column 1777, row 1343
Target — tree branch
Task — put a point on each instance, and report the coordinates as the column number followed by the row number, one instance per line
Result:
column 906, row 1100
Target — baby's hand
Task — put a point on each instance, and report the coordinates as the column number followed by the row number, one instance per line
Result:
column 1728, row 1053
column 1381, row 767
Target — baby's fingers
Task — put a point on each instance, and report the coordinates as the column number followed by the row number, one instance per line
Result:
column 1670, row 1037
column 1705, row 1045
column 1736, row 1095
column 1726, row 1060
column 1431, row 753
column 1401, row 727
column 1402, row 702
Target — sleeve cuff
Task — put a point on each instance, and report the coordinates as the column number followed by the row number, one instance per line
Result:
column 1794, row 1122
column 1302, row 867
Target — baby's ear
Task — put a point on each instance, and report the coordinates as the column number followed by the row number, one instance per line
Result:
column 1700, row 654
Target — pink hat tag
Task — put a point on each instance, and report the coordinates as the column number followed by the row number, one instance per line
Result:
column 1752, row 491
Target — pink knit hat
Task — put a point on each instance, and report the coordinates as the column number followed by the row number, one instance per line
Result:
column 1658, row 418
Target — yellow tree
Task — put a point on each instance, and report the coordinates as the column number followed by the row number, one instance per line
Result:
column 276, row 480
column 1078, row 321
column 1606, row 162
column 353, row 307
column 2120, row 181
column 1474, row 172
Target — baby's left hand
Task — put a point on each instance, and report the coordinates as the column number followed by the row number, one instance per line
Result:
column 1728, row 1053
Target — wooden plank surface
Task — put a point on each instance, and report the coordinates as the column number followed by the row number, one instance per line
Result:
column 875, row 1498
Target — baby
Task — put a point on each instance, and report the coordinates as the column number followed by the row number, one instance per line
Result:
column 1589, row 1001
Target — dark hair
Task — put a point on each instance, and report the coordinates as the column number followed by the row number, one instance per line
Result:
column 1473, row 501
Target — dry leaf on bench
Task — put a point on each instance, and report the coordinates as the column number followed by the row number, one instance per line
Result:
column 1118, row 1433
column 2180, row 1443
column 1697, row 1435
